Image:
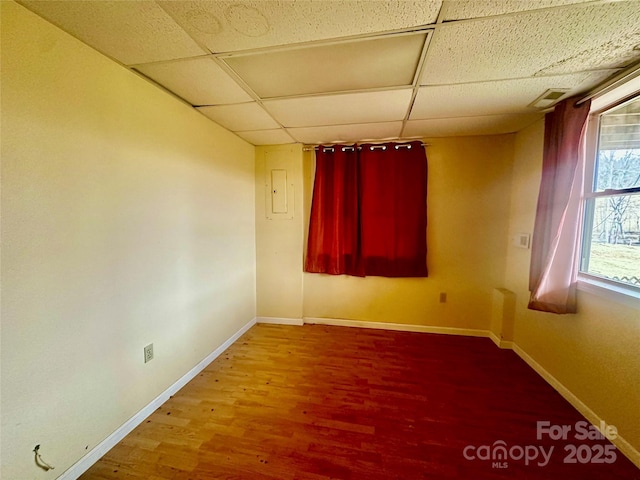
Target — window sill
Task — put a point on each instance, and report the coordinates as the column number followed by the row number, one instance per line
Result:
column 612, row 291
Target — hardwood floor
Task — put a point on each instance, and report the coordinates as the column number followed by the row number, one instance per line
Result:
column 318, row 402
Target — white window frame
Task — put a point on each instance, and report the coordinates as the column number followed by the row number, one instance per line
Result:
column 610, row 289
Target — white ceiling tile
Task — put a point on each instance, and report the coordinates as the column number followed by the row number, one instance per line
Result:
column 231, row 26
column 484, row 125
column 267, row 137
column 365, row 107
column 547, row 42
column 480, row 73
column 200, row 81
column 495, row 97
column 129, row 31
column 461, row 9
column 347, row 133
column 355, row 65
column 240, row 117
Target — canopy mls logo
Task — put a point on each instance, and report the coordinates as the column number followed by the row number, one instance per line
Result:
column 500, row 454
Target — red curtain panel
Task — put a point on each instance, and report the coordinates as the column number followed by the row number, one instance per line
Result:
column 369, row 211
column 393, row 209
column 333, row 245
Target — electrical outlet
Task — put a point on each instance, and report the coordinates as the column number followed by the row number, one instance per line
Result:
column 443, row 297
column 148, row 353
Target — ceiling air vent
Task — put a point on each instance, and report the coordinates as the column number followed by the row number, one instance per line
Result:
column 549, row 98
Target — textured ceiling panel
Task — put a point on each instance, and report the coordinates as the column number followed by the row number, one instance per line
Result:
column 548, row 42
column 485, row 125
column 461, row 9
column 225, row 26
column 266, row 137
column 343, row 70
column 200, row 81
column 343, row 109
column 355, row 65
column 496, row 97
column 129, row 31
column 244, row 116
column 347, row 133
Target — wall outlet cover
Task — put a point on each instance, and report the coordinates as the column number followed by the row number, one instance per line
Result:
column 148, row 353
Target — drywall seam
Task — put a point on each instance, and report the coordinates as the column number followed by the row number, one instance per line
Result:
column 625, row 447
column 108, row 443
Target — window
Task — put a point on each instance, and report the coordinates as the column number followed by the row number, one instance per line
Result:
column 611, row 236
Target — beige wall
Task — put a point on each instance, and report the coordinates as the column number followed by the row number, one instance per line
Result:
column 468, row 190
column 594, row 353
column 469, row 182
column 127, row 218
column 279, row 237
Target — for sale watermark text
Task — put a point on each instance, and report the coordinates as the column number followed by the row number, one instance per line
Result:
column 499, row 453
column 580, row 431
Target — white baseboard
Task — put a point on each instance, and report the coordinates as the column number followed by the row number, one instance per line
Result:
column 108, row 443
column 280, row 321
column 469, row 332
column 103, row 447
column 505, row 344
column 625, row 447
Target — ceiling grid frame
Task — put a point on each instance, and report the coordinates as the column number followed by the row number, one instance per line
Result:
column 275, row 18
column 418, row 75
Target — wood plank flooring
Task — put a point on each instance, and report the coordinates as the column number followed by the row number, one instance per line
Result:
column 318, row 402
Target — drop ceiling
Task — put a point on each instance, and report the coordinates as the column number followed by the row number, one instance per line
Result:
column 325, row 71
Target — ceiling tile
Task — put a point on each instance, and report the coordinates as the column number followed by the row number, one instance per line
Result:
column 547, row 42
column 347, row 133
column 461, row 9
column 240, row 117
column 267, row 137
column 480, row 73
column 129, row 31
column 365, row 107
column 484, row 125
column 200, row 81
column 387, row 61
column 231, row 26
column 495, row 97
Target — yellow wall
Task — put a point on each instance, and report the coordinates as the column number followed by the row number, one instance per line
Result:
column 595, row 353
column 279, row 238
column 127, row 218
column 469, row 182
column 468, row 204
